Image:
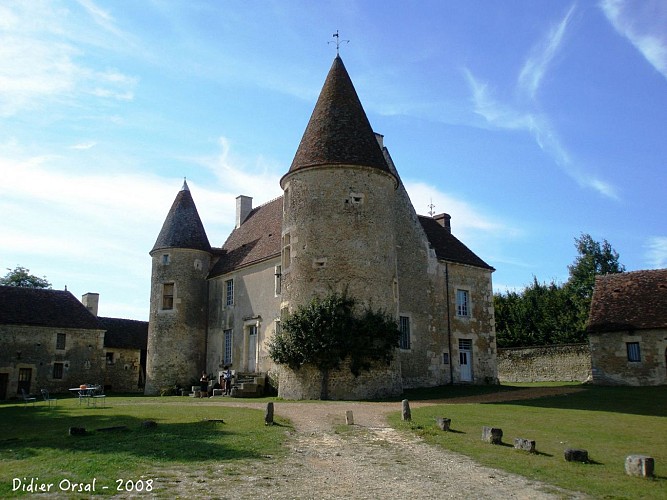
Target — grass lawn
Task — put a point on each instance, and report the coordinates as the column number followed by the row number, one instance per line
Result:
column 610, row 422
column 34, row 441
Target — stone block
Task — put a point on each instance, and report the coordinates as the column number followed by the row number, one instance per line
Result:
column 218, row 392
column 268, row 415
column 349, row 418
column 639, row 465
column 405, row 410
column 524, row 444
column 77, row 431
column 576, row 455
column 493, row 435
column 443, row 423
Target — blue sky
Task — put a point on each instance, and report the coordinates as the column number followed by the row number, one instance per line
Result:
column 529, row 122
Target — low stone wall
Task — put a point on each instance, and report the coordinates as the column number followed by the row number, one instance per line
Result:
column 562, row 363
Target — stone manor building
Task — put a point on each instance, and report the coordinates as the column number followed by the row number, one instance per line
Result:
column 344, row 223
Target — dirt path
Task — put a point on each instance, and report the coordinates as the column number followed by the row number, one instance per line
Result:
column 370, row 461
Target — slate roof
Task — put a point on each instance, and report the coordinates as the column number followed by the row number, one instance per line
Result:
column 338, row 132
column 257, row 239
column 447, row 246
column 183, row 228
column 259, row 236
column 629, row 301
column 125, row 333
column 43, row 307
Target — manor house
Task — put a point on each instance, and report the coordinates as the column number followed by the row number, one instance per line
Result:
column 344, row 223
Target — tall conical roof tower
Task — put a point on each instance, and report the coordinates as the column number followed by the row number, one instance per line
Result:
column 179, row 294
column 338, row 132
column 183, row 228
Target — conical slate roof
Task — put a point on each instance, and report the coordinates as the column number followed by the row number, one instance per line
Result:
column 338, row 131
column 183, row 228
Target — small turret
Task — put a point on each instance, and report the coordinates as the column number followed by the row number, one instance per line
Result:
column 177, row 324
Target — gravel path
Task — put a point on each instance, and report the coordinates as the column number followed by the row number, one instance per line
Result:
column 369, row 461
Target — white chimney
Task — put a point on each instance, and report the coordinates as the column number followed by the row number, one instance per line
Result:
column 91, row 301
column 243, row 208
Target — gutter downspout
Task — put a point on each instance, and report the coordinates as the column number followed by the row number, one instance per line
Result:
column 449, row 327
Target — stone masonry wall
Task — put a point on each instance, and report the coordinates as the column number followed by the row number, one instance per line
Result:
column 122, row 375
column 562, row 363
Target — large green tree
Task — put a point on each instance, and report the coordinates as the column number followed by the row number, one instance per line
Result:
column 20, row 276
column 328, row 331
column 544, row 314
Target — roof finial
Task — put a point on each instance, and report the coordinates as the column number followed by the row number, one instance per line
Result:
column 185, row 185
column 337, row 41
column 431, row 206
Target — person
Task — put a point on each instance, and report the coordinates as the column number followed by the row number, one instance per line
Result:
column 203, row 385
column 227, row 375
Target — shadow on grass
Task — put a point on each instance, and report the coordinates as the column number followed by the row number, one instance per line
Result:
column 42, row 429
column 648, row 401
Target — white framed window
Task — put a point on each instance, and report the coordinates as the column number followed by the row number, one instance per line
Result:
column 228, row 346
column 462, row 303
column 634, row 354
column 404, row 327
column 278, row 275
column 229, row 292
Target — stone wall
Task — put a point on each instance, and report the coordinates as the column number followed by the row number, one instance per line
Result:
column 562, row 363
column 34, row 348
column 123, row 371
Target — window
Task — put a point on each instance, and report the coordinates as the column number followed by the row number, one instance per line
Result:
column 404, row 327
column 445, row 358
column 229, row 287
column 168, row 296
column 25, row 376
column 165, row 259
column 278, row 279
column 109, row 358
column 287, row 253
column 228, row 347
column 61, row 339
column 634, row 355
column 462, row 303
column 57, row 371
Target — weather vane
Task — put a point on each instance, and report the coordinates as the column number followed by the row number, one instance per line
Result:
column 431, row 206
column 337, row 41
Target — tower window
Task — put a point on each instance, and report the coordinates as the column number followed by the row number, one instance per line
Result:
column 229, row 292
column 165, row 259
column 287, row 253
column 167, row 296
column 404, row 327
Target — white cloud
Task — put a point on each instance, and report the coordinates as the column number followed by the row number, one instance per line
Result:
column 542, row 54
column 657, row 252
column 644, row 24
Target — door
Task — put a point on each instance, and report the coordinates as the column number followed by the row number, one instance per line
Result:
column 465, row 360
column 252, row 348
column 4, row 382
column 25, row 376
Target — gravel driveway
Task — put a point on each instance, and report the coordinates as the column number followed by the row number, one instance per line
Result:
column 371, row 461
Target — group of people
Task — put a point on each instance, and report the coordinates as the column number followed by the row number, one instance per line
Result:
column 224, row 383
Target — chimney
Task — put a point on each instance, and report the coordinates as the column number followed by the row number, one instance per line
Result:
column 91, row 301
column 443, row 220
column 243, row 208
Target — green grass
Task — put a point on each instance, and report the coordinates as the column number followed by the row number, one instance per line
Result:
column 34, row 441
column 609, row 422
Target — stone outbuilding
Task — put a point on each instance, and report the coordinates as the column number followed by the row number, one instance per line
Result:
column 125, row 354
column 345, row 222
column 627, row 328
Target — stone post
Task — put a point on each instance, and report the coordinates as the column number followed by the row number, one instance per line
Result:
column 406, row 415
column 639, row 465
column 349, row 418
column 493, row 435
column 268, row 416
column 443, row 423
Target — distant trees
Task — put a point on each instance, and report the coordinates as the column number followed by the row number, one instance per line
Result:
column 544, row 314
column 20, row 276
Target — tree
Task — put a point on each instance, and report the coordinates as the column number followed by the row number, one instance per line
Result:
column 327, row 331
column 20, row 276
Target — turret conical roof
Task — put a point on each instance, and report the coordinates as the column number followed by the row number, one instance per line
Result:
column 338, row 131
column 183, row 228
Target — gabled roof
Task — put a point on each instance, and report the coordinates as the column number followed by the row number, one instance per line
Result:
column 257, row 239
column 43, row 307
column 447, row 246
column 338, row 132
column 125, row 333
column 629, row 301
column 182, row 228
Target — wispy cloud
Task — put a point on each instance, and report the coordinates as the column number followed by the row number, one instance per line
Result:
column 523, row 113
column 656, row 253
column 644, row 24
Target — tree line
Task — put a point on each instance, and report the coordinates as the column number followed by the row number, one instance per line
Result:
column 555, row 313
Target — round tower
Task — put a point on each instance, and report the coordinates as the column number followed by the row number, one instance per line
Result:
column 177, row 325
column 338, row 228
